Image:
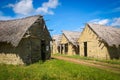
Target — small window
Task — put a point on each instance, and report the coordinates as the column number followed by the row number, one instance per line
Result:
column 47, row 48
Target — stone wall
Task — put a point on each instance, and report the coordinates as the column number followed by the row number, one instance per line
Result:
column 71, row 48
column 29, row 49
column 54, row 48
column 95, row 48
column 10, row 58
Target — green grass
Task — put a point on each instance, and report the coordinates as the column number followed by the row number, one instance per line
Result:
column 54, row 70
column 114, row 61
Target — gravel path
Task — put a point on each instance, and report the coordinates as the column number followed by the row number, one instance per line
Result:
column 100, row 65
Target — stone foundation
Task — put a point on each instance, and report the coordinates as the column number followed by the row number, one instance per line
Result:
column 10, row 58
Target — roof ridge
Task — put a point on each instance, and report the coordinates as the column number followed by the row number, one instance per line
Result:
column 20, row 18
column 106, row 33
column 103, row 25
column 12, row 31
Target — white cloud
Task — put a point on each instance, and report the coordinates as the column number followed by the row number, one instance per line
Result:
column 23, row 7
column 5, row 17
column 116, row 22
column 111, row 22
column 100, row 21
column 2, row 17
column 47, row 6
column 51, row 4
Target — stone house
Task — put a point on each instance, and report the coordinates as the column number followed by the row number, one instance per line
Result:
column 100, row 41
column 69, row 43
column 24, row 41
column 56, row 44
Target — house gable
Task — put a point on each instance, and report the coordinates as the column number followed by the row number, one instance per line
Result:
column 95, row 48
column 33, row 46
column 88, row 35
column 64, row 40
column 12, row 31
column 107, row 34
column 72, row 36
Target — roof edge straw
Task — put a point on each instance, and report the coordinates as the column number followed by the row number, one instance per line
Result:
column 107, row 34
column 72, row 36
column 12, row 31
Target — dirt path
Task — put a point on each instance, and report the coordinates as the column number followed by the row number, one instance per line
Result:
column 100, row 65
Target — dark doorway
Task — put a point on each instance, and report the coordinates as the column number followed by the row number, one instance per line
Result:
column 85, row 49
column 77, row 49
column 58, row 48
column 43, row 50
column 66, row 48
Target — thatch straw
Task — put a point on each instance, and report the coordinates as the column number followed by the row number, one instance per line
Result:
column 108, row 34
column 72, row 36
column 12, row 31
column 57, row 39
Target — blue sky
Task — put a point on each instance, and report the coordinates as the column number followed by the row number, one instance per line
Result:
column 64, row 14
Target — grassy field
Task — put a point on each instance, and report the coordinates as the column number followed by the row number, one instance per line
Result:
column 54, row 70
column 114, row 61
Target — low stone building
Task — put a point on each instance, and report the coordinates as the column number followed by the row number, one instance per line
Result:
column 24, row 41
column 69, row 43
column 56, row 44
column 100, row 41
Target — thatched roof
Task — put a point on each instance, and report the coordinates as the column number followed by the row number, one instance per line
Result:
column 12, row 31
column 57, row 39
column 72, row 36
column 108, row 34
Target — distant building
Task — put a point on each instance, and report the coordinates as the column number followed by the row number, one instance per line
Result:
column 69, row 43
column 56, row 44
column 24, row 41
column 100, row 41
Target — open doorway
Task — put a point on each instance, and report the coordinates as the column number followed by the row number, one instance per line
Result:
column 66, row 48
column 78, row 50
column 43, row 50
column 85, row 49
